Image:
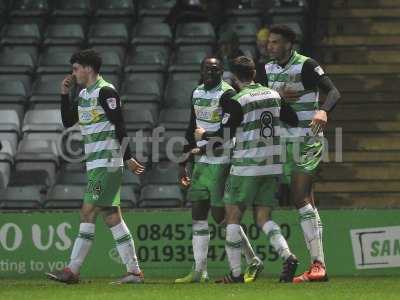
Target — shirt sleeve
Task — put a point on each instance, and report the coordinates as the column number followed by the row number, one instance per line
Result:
column 189, row 135
column 111, row 103
column 69, row 111
column 313, row 77
column 311, row 74
column 232, row 116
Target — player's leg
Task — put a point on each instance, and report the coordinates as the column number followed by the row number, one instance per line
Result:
column 284, row 185
column 83, row 242
column 218, row 213
column 311, row 224
column 239, row 191
column 124, row 243
column 199, row 195
column 264, row 201
column 233, row 244
column 277, row 241
column 200, row 242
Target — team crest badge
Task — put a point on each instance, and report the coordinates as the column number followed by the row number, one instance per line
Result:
column 112, row 103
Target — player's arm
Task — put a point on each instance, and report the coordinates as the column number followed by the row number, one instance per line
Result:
column 313, row 76
column 111, row 103
column 184, row 178
column 69, row 111
column 288, row 115
column 189, row 135
column 232, row 117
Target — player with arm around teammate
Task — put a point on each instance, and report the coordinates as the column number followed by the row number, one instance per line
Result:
column 299, row 79
column 253, row 117
column 209, row 173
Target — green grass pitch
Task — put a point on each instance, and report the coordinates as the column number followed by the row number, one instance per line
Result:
column 375, row 288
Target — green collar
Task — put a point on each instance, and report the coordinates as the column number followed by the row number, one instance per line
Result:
column 91, row 88
column 290, row 61
column 252, row 85
column 213, row 88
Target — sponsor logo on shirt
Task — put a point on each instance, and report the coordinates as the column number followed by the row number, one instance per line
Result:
column 319, row 71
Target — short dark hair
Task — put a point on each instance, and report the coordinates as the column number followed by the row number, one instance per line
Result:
column 87, row 57
column 284, row 31
column 243, row 67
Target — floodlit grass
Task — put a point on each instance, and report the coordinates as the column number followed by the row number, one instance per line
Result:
column 265, row 288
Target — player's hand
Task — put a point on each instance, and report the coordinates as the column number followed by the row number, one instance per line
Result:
column 195, row 151
column 184, row 178
column 198, row 133
column 66, row 84
column 289, row 95
column 319, row 121
column 135, row 167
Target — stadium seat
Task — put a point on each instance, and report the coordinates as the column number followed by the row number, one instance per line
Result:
column 108, row 33
column 146, row 61
column 73, row 8
column 46, row 89
column 140, row 90
column 148, row 109
column 160, row 196
column 33, row 51
column 65, row 196
column 9, row 121
column 25, row 79
column 72, row 178
column 37, row 156
column 156, row 33
column 4, row 7
column 119, row 49
column 128, row 197
column 64, row 34
column 162, row 173
column 138, row 119
column 21, row 34
column 78, row 167
column 194, row 34
column 9, row 141
column 61, row 48
column 140, row 148
column 188, row 59
column 174, row 119
column 246, row 31
column 178, row 93
column 244, row 12
column 5, row 170
column 115, row 8
column 37, row 150
column 156, row 7
column 43, row 121
column 21, row 197
column 171, row 147
column 256, row 20
column 179, row 76
column 54, row 63
column 112, row 62
column 30, row 8
column 12, row 91
column 16, row 63
column 132, row 180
